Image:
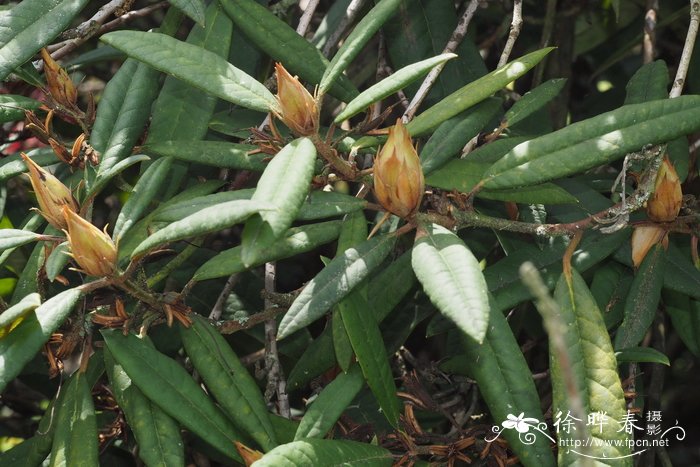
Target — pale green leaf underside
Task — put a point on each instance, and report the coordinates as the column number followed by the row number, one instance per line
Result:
column 452, row 278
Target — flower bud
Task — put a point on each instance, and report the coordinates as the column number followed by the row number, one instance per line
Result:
column 61, row 87
column 643, row 238
column 398, row 177
column 297, row 108
column 51, row 194
column 665, row 204
column 91, row 248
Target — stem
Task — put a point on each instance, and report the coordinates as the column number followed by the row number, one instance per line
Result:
column 351, row 13
column 684, row 63
column 229, row 327
column 547, row 29
column 331, row 156
column 276, row 381
column 515, row 27
column 223, row 296
column 306, row 17
column 88, row 28
column 452, row 44
column 649, row 40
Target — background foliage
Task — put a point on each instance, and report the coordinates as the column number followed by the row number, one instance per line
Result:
column 261, row 303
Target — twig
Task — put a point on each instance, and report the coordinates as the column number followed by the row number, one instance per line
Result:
column 684, row 63
column 229, row 327
column 649, row 40
column 218, row 308
column 515, row 27
column 350, row 14
column 452, row 44
column 87, row 29
column 547, row 29
column 305, row 19
column 276, row 381
column 61, row 49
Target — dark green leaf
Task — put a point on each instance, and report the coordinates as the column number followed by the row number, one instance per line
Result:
column 228, row 380
column 169, row 386
column 19, row 346
column 325, row 410
column 598, row 140
column 157, row 435
column 326, row 453
column 296, row 240
column 31, row 25
column 641, row 355
column 367, row 342
column 642, row 299
column 390, row 85
column 194, row 65
column 334, row 282
column 214, row 153
column 283, row 44
column 357, row 39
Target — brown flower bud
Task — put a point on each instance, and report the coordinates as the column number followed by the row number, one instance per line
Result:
column 398, row 177
column 91, row 248
column 297, row 108
column 51, row 194
column 61, row 87
column 665, row 204
column 643, row 238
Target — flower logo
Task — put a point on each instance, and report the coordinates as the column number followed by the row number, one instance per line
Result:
column 520, row 423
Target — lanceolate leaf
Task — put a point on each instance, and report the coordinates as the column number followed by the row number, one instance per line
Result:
column 123, row 112
column 367, row 342
column 214, row 153
column 325, row 453
column 168, row 385
column 505, row 382
column 283, row 185
column 642, row 354
column 595, row 141
column 534, row 100
column 296, row 240
column 464, row 174
column 642, row 299
column 75, row 439
column 181, row 111
column 194, row 65
column 228, row 380
column 474, row 92
column 13, row 165
column 19, row 346
column 192, row 8
column 595, row 371
column 205, row 221
column 29, row 26
column 12, row 107
column 157, row 435
column 390, row 85
column 11, row 238
column 283, row 44
column 357, row 39
column 12, row 316
column 326, row 409
column 451, row 136
column 452, row 278
column 334, row 282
